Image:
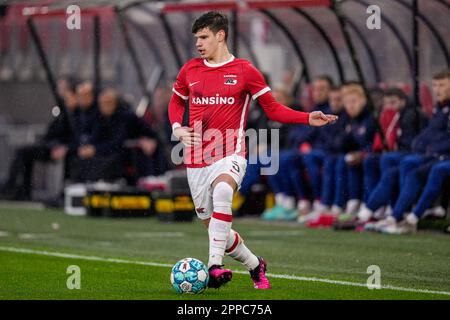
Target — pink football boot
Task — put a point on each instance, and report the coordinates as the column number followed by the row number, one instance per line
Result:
column 258, row 275
column 218, row 276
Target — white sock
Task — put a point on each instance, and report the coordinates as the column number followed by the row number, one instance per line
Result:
column 364, row 213
column 220, row 223
column 239, row 252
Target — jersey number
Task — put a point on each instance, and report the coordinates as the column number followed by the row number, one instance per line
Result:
column 235, row 166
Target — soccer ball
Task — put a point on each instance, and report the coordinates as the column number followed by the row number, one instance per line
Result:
column 189, row 275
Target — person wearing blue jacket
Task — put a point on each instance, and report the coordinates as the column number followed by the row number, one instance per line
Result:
column 289, row 184
column 435, row 144
column 354, row 143
column 429, row 147
column 322, row 157
column 399, row 133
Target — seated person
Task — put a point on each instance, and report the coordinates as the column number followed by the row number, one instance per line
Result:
column 432, row 146
column 101, row 156
column 143, row 151
column 53, row 147
column 85, row 116
column 291, row 189
column 321, row 157
column 353, row 143
column 400, row 124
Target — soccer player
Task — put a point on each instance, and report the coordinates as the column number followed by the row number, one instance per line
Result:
column 219, row 87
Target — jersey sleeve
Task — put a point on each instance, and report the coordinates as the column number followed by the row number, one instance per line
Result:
column 281, row 113
column 256, row 85
column 180, row 87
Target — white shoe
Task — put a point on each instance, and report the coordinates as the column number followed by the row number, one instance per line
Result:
column 380, row 213
column 412, row 219
column 403, row 227
column 336, row 210
column 389, row 221
column 437, row 212
column 352, row 206
column 364, row 214
column 319, row 206
column 303, row 219
column 389, row 211
column 303, row 207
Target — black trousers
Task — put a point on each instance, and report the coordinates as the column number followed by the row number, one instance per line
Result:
column 21, row 170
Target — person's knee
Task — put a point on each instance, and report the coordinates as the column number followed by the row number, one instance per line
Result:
column 222, row 196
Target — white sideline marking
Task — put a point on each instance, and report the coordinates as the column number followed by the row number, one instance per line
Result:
column 155, row 264
column 153, row 234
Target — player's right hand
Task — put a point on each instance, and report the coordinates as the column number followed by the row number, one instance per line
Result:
column 187, row 136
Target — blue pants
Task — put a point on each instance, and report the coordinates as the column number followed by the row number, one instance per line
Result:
column 282, row 182
column 348, row 182
column 413, row 183
column 392, row 178
column 313, row 163
column 440, row 172
column 252, row 176
column 374, row 165
column 371, row 167
column 328, row 179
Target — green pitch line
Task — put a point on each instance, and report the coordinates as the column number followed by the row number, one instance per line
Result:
column 326, row 264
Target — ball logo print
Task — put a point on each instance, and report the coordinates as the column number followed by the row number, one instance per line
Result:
column 189, row 275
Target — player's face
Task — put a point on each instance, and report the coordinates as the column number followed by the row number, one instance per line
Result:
column 207, row 42
column 354, row 104
column 393, row 103
column 441, row 89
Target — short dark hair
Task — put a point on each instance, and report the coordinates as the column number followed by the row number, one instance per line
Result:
column 444, row 74
column 396, row 92
column 213, row 20
column 327, row 78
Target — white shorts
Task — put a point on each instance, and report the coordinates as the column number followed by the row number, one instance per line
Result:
column 201, row 179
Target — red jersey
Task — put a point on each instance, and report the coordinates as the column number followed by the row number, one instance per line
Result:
column 219, row 96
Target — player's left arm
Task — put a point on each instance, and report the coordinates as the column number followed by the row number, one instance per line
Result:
column 281, row 113
column 276, row 111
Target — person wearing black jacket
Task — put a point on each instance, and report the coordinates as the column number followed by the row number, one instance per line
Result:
column 99, row 154
column 143, row 152
column 54, row 146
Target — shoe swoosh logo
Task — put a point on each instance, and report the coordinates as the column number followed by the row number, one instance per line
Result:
column 191, row 84
column 218, row 240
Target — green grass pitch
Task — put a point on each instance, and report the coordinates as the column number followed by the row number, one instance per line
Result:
column 131, row 258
